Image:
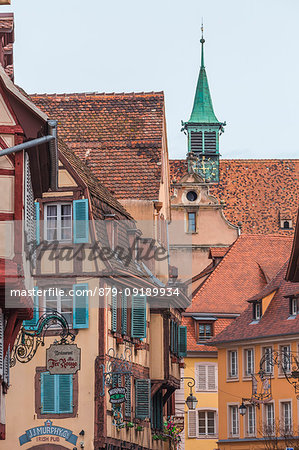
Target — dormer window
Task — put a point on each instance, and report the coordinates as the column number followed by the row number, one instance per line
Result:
column 293, row 306
column 257, row 311
column 204, row 331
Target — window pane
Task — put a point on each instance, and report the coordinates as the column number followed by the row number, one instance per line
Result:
column 211, row 423
column 191, row 223
column 202, row 422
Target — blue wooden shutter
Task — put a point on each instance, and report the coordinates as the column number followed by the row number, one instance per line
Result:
column 81, row 226
column 142, row 398
column 175, row 338
column 65, row 393
column 138, row 326
column 47, row 393
column 171, row 336
column 182, row 341
column 37, row 223
column 124, row 313
column 113, row 310
column 80, row 306
column 31, row 324
column 157, row 411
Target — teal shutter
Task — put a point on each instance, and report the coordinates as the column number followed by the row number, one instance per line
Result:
column 128, row 396
column 37, row 223
column 182, row 351
column 175, row 338
column 138, row 327
column 113, row 310
column 124, row 313
column 80, row 306
column 47, row 393
column 142, row 398
column 157, row 411
column 31, row 324
column 65, row 393
column 81, row 226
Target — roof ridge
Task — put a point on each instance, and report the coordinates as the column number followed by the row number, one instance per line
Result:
column 245, row 159
column 96, row 93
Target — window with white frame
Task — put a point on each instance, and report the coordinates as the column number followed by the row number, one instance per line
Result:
column 257, row 311
column 250, row 417
column 206, row 377
column 268, row 358
column 191, row 222
column 285, row 351
column 286, row 416
column 207, row 423
column 293, row 306
column 269, row 419
column 202, row 423
column 249, row 361
column 60, row 301
column 233, row 363
column 58, row 222
column 234, row 421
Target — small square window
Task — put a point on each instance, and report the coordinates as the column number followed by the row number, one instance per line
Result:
column 205, row 331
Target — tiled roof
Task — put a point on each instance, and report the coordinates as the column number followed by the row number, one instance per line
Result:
column 217, row 252
column 96, row 189
column 241, row 273
column 256, row 192
column 274, row 321
column 119, row 136
column 192, row 346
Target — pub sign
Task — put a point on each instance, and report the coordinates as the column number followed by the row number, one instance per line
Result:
column 63, row 359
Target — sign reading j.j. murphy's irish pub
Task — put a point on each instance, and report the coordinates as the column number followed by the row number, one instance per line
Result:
column 51, row 430
column 63, row 359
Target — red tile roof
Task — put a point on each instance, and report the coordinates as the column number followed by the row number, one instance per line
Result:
column 256, row 192
column 118, row 135
column 274, row 321
column 217, row 252
column 241, row 273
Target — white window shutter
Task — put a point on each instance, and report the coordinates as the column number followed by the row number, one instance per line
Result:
column 202, row 377
column 211, row 378
column 1, row 343
column 192, row 423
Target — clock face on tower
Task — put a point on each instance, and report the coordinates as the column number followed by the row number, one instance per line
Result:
column 207, row 167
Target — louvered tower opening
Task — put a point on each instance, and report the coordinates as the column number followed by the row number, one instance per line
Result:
column 210, row 141
column 196, row 141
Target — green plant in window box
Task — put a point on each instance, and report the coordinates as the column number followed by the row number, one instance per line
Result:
column 139, row 428
column 130, row 425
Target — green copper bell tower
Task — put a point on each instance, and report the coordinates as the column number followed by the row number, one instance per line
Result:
column 203, row 129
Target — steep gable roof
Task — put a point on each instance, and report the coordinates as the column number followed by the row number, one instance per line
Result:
column 119, row 136
column 274, row 322
column 239, row 276
column 256, row 192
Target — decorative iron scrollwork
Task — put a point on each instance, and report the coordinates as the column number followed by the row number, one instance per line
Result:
column 28, row 340
column 288, row 364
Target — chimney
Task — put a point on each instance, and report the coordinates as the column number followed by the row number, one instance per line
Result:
column 6, row 40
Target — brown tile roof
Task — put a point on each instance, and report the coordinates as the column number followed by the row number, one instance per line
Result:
column 274, row 321
column 192, row 346
column 217, row 252
column 118, row 135
column 256, row 192
column 241, row 273
column 96, row 190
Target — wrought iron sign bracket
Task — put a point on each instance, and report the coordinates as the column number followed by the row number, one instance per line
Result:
column 29, row 339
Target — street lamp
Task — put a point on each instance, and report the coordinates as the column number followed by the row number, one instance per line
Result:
column 242, row 409
column 191, row 400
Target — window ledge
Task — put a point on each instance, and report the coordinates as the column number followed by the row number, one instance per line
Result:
column 292, row 317
column 232, row 379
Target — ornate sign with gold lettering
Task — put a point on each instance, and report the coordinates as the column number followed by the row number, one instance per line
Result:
column 63, row 359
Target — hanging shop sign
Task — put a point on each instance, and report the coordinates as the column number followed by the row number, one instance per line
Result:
column 63, row 359
column 48, row 429
column 117, row 395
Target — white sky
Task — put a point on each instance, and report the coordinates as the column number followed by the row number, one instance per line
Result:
column 252, row 61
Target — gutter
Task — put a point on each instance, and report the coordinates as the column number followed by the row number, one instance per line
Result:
column 51, row 139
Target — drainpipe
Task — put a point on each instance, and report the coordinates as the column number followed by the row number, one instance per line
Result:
column 52, row 147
